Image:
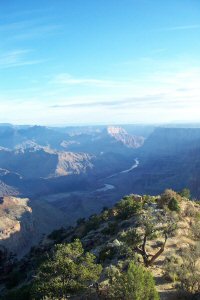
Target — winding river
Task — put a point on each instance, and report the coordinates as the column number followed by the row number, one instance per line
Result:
column 134, row 166
column 107, row 187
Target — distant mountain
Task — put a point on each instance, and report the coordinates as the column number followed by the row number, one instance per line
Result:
column 169, row 158
column 121, row 135
column 104, row 139
column 167, row 141
column 37, row 161
column 30, row 156
column 10, row 137
column 79, row 139
column 81, row 169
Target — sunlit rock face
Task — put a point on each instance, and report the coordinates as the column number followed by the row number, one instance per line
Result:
column 122, row 136
column 6, row 189
column 16, row 223
column 22, row 223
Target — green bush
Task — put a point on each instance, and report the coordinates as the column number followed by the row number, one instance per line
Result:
column 195, row 230
column 185, row 269
column 171, row 267
column 93, row 223
column 57, row 235
column 111, row 229
column 131, row 237
column 105, row 215
column 128, row 207
column 173, row 205
column 135, row 284
column 167, row 197
column 185, row 193
column 126, row 252
column 107, row 253
column 68, row 271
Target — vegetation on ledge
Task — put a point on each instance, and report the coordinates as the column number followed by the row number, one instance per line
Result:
column 144, row 248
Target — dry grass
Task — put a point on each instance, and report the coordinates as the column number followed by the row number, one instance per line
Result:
column 181, row 239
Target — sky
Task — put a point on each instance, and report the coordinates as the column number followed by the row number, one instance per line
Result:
column 99, row 61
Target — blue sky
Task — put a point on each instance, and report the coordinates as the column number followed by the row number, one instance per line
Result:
column 99, row 61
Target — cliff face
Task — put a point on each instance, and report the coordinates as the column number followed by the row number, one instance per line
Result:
column 121, row 135
column 171, row 141
column 36, row 162
column 73, row 163
column 169, row 158
column 22, row 223
column 6, row 189
column 15, row 223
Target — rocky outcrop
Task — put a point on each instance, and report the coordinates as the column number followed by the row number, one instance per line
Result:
column 121, row 135
column 6, row 190
column 171, row 141
column 34, row 161
column 168, row 158
column 23, row 223
column 73, row 163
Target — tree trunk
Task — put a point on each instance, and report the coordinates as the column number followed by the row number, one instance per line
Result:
column 158, row 253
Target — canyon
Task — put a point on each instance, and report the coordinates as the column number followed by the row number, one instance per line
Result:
column 73, row 172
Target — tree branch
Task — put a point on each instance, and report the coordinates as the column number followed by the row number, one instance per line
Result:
column 158, row 253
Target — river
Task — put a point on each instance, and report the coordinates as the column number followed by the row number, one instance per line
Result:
column 134, row 166
column 107, row 187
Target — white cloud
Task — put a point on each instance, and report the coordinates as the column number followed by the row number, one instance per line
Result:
column 67, row 79
column 181, row 27
column 161, row 96
column 17, row 58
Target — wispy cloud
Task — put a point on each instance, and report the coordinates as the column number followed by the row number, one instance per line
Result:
column 42, row 31
column 38, row 27
column 114, row 103
column 24, row 13
column 159, row 90
column 181, row 27
column 17, row 58
column 68, row 80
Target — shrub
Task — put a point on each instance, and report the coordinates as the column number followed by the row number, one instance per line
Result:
column 186, row 270
column 93, row 223
column 171, row 267
column 173, row 205
column 68, row 271
column 137, row 283
column 191, row 211
column 111, row 229
column 126, row 252
column 57, row 235
column 147, row 199
column 195, row 230
column 105, row 215
column 107, row 253
column 131, row 237
column 128, row 207
column 185, row 193
column 167, row 196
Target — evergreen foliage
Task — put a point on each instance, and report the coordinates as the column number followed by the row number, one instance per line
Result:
column 128, row 207
column 173, row 205
column 135, row 284
column 185, row 193
column 68, row 271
